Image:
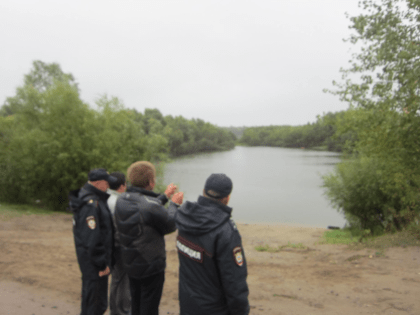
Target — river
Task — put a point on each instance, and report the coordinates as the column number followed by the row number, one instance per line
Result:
column 270, row 185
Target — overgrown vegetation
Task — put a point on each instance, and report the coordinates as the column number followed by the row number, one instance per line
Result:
column 50, row 138
column 379, row 189
column 405, row 238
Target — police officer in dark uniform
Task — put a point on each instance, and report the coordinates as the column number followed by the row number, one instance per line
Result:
column 212, row 265
column 93, row 238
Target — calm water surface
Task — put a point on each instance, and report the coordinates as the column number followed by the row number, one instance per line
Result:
column 270, row 185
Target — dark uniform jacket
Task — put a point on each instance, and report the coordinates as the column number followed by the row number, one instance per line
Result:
column 93, row 230
column 142, row 221
column 212, row 265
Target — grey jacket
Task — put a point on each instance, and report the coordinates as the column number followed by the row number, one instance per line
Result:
column 142, row 221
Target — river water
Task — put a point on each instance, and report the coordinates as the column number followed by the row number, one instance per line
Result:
column 270, row 185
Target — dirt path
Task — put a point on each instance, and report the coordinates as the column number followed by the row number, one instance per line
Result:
column 39, row 273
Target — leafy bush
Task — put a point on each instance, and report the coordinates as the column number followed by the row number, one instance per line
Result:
column 374, row 194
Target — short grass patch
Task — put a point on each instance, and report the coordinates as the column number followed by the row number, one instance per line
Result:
column 8, row 210
column 343, row 236
column 268, row 248
column 405, row 238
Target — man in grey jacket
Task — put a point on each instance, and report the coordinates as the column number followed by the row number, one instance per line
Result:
column 142, row 221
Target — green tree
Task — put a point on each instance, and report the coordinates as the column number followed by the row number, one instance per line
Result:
column 53, row 139
column 388, row 65
column 45, row 153
column 119, row 139
column 382, row 89
column 194, row 136
column 153, row 121
column 39, row 79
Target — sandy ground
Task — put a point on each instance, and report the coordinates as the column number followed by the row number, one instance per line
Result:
column 39, row 273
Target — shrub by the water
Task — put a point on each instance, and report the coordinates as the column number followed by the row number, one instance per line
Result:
column 374, row 194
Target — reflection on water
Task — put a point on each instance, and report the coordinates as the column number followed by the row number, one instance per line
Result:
column 273, row 185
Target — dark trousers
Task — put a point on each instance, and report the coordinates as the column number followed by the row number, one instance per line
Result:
column 94, row 296
column 120, row 296
column 146, row 294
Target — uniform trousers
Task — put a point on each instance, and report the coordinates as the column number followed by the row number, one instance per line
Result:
column 146, row 294
column 94, row 295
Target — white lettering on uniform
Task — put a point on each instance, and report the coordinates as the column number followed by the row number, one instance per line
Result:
column 189, row 251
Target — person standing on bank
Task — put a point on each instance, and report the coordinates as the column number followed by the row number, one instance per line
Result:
column 119, row 298
column 93, row 237
column 142, row 222
column 212, row 265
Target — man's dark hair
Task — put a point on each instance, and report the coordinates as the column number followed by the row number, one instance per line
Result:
column 120, row 180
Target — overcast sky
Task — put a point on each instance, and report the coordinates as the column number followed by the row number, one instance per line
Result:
column 231, row 63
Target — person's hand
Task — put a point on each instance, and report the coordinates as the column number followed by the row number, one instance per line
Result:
column 178, row 197
column 170, row 190
column 104, row 272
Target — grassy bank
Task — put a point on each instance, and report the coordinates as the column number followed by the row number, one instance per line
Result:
column 356, row 239
column 8, row 210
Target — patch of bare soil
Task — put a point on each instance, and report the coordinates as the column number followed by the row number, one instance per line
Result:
column 39, row 273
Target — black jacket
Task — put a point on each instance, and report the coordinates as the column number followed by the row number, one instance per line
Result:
column 93, row 230
column 212, row 265
column 142, row 221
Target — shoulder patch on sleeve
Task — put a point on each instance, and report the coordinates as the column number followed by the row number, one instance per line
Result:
column 237, row 255
column 91, row 223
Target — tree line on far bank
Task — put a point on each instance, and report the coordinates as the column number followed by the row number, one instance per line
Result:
column 319, row 135
column 50, row 138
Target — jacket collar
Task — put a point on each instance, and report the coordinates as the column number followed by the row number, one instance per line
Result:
column 142, row 191
column 204, row 201
column 92, row 190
